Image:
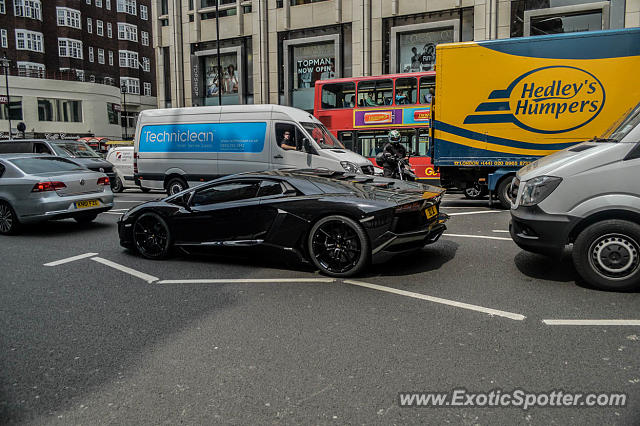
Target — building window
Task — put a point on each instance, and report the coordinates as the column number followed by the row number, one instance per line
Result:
column 108, row 4
column 99, row 27
column 70, row 48
column 13, row 110
column 28, row 9
column 145, row 38
column 29, row 40
column 90, row 54
column 110, row 58
column 113, row 111
column 64, row 110
column 30, row 69
column 4, row 40
column 147, row 89
column 144, row 14
column 127, row 6
column 98, row 3
column 100, row 56
column 131, row 85
column 164, row 22
column 146, row 64
column 89, row 26
column 109, row 30
column 68, row 17
column 164, row 7
column 127, row 32
column 3, row 6
column 128, row 59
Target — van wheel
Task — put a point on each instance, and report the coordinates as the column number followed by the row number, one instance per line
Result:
column 175, row 185
column 504, row 192
column 117, row 185
column 607, row 255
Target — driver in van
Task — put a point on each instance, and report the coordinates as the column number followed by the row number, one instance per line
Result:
column 286, row 142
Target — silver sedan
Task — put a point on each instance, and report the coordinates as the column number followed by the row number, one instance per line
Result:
column 35, row 188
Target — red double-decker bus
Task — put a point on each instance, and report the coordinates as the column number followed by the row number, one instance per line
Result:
column 361, row 111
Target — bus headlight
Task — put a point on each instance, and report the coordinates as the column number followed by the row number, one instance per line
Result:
column 350, row 167
column 537, row 189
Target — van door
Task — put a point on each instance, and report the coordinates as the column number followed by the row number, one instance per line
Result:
column 243, row 147
column 290, row 134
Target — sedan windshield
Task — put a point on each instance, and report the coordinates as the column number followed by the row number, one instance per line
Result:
column 36, row 165
column 623, row 126
column 322, row 136
column 74, row 149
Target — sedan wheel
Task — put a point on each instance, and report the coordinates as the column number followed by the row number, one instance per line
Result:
column 151, row 236
column 9, row 223
column 338, row 246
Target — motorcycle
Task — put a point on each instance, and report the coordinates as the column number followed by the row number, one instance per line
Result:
column 401, row 168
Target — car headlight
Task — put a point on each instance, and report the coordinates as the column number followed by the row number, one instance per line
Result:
column 350, row 167
column 537, row 189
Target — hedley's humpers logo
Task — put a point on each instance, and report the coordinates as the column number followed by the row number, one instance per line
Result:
column 553, row 99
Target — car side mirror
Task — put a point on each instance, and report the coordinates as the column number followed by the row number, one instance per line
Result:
column 289, row 192
column 185, row 200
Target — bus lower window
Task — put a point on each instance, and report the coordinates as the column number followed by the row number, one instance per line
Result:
column 338, row 95
column 372, row 143
column 427, row 90
column 375, row 93
column 406, row 91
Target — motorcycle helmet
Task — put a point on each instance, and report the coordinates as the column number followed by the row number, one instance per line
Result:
column 394, row 136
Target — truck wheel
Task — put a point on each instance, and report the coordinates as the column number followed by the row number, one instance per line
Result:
column 175, row 185
column 607, row 255
column 475, row 192
column 504, row 192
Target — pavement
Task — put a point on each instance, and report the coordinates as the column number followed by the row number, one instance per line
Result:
column 93, row 334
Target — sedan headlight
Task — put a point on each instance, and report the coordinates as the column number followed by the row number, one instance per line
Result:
column 537, row 189
column 350, row 167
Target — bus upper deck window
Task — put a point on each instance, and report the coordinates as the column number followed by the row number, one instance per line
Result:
column 375, row 93
column 406, row 91
column 338, row 95
column 427, row 89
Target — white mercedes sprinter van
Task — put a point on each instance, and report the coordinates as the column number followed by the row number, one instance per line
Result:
column 178, row 147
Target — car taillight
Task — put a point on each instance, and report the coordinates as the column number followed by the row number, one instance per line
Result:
column 47, row 186
column 135, row 162
column 103, row 181
column 405, row 208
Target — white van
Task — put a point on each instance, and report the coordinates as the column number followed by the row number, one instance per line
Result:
column 178, row 147
column 122, row 159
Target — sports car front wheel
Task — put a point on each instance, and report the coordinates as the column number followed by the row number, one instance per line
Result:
column 151, row 236
column 338, row 246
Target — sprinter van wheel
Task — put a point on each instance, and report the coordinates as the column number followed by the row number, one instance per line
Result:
column 175, row 185
column 504, row 192
column 607, row 255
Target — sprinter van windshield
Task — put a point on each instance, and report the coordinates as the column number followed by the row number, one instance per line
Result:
column 322, row 136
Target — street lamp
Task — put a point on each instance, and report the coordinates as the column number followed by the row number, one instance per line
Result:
column 4, row 62
column 123, row 90
column 218, row 54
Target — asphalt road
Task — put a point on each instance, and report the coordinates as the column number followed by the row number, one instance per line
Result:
column 86, row 342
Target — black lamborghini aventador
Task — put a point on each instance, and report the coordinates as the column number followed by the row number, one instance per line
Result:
column 337, row 221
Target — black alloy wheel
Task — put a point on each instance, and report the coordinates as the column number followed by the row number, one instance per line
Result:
column 474, row 192
column 9, row 223
column 151, row 236
column 338, row 246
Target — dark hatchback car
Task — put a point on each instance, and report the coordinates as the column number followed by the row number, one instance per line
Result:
column 339, row 222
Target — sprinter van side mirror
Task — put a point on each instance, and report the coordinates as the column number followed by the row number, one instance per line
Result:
column 306, row 145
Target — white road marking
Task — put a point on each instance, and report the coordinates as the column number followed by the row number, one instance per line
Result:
column 443, row 205
column 249, row 280
column 453, row 303
column 133, row 201
column 478, row 212
column 148, row 278
column 500, row 230
column 70, row 259
column 119, row 210
column 590, row 322
column 116, row 213
column 478, row 236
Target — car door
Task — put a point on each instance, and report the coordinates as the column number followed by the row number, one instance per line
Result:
column 219, row 213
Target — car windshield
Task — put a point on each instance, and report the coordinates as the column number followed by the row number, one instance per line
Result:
column 623, row 126
column 73, row 149
column 322, row 136
column 35, row 165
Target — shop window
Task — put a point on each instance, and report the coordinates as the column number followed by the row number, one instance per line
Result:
column 113, row 113
column 533, row 17
column 59, row 110
column 375, row 93
column 406, row 91
column 338, row 95
column 13, row 110
column 427, row 90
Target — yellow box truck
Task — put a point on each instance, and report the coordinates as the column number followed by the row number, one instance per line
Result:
column 502, row 104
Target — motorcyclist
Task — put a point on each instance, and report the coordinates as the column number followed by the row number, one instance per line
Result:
column 392, row 152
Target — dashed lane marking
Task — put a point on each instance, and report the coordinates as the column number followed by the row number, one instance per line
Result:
column 486, row 237
column 591, row 322
column 146, row 277
column 70, row 259
column 496, row 312
column 500, row 231
column 478, row 212
column 249, row 280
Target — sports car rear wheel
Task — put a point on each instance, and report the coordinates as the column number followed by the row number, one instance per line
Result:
column 151, row 236
column 338, row 246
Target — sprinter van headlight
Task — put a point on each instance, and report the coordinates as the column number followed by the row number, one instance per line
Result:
column 537, row 189
column 350, row 167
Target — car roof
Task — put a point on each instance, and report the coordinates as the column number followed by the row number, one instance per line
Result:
column 22, row 155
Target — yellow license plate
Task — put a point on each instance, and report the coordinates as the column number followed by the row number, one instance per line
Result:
column 431, row 211
column 86, row 204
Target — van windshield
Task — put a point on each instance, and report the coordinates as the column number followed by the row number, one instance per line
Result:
column 322, row 136
column 623, row 126
column 74, row 149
